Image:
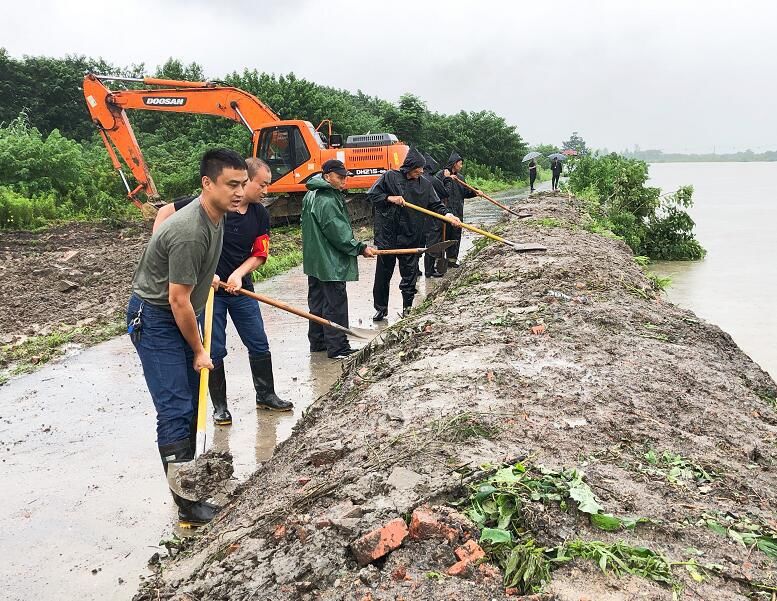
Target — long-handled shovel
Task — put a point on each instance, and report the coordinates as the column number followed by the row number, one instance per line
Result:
column 515, row 245
column 434, row 249
column 489, row 199
column 299, row 312
column 202, row 406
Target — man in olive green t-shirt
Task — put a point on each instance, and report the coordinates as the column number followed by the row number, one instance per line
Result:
column 169, row 289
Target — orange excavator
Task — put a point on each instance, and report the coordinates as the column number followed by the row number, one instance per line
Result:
column 294, row 149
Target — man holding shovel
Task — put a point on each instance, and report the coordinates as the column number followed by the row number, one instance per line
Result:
column 398, row 227
column 457, row 192
column 246, row 248
column 329, row 257
column 169, row 288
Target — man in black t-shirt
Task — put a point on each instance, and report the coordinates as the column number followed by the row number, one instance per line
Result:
column 246, row 248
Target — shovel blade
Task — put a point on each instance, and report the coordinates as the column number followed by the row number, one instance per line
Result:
column 527, row 246
column 440, row 247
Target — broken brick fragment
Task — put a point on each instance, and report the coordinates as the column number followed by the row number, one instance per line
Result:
column 469, row 551
column 379, row 542
column 468, row 554
column 279, row 532
column 426, row 524
column 538, row 329
column 399, row 573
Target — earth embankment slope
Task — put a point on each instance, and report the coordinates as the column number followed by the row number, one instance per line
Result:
column 565, row 359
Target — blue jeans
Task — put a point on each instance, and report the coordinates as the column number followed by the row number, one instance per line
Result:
column 167, row 366
column 247, row 318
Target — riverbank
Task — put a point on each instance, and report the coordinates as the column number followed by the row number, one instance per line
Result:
column 565, row 360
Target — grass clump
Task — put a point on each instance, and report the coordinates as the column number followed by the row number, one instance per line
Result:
column 499, row 505
column 675, row 468
column 18, row 359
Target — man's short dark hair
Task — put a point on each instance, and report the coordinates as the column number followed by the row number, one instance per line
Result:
column 215, row 161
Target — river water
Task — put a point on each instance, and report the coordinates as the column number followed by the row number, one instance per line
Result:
column 735, row 285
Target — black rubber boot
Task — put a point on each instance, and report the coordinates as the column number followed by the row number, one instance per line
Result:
column 380, row 315
column 261, row 370
column 217, row 386
column 191, row 513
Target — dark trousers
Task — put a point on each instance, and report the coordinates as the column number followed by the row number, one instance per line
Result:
column 167, row 366
column 433, row 235
column 554, row 181
column 453, row 233
column 248, row 322
column 384, row 269
column 532, row 177
column 330, row 301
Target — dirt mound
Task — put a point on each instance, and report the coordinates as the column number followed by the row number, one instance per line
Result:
column 479, row 414
column 209, row 476
column 70, row 275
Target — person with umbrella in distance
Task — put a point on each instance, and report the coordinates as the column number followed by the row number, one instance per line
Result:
column 555, row 169
column 531, row 158
column 556, row 159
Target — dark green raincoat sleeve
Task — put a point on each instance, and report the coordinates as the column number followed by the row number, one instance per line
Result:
column 335, row 228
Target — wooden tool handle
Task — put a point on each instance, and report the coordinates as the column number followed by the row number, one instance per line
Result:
column 284, row 307
column 487, row 197
column 466, row 226
column 400, row 251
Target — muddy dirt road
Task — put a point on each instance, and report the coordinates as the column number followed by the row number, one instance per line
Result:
column 89, row 503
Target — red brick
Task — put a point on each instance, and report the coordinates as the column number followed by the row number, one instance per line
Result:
column 458, row 568
column 470, row 551
column 425, row 524
column 379, row 542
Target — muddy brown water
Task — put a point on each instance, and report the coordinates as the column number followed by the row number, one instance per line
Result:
column 86, row 503
column 735, row 210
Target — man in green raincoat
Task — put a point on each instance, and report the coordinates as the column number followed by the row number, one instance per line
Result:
column 330, row 253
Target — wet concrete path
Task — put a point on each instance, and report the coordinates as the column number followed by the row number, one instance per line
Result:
column 85, row 500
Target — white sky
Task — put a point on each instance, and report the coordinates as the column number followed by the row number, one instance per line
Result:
column 680, row 75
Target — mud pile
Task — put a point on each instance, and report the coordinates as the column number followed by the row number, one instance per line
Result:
column 71, row 275
column 567, row 359
column 208, row 477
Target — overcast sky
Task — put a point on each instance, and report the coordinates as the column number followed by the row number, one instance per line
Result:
column 678, row 75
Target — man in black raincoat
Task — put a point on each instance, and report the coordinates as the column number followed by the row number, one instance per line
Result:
column 433, row 228
column 399, row 227
column 456, row 195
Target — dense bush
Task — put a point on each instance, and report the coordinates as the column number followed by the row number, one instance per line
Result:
column 53, row 177
column 619, row 200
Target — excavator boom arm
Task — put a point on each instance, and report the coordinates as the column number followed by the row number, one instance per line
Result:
column 108, row 111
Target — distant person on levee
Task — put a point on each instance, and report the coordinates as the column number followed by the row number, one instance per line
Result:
column 169, row 289
column 329, row 257
column 532, row 174
column 555, row 168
